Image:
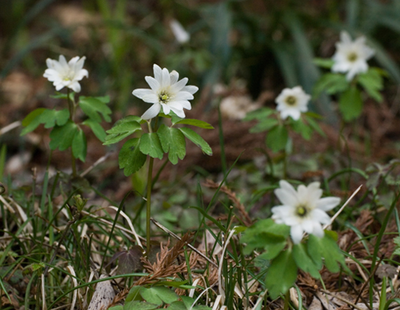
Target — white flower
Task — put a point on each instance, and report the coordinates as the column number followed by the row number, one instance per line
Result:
column 181, row 35
column 291, row 102
column 303, row 210
column 351, row 57
column 64, row 74
column 166, row 92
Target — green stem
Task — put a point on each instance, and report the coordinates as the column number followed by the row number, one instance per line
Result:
column 71, row 107
column 148, row 203
column 287, row 298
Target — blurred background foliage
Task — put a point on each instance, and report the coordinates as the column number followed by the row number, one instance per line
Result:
column 268, row 44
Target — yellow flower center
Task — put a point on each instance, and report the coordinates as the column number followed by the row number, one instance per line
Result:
column 164, row 97
column 301, row 210
column 352, row 57
column 291, row 100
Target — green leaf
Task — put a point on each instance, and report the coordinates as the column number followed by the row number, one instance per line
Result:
column 177, row 305
column 327, row 249
column 122, row 129
column 119, row 307
column 196, row 139
column 350, row 103
column 277, row 138
column 59, row 95
column 301, row 128
column 93, row 107
column 79, row 145
column 52, row 117
column 62, row 136
column 268, row 235
column 159, row 295
column 281, row 274
column 304, row 262
column 130, row 158
column 372, row 82
column 96, row 129
column 32, row 121
column 194, row 122
column 264, row 125
column 139, row 305
column 331, row 83
column 314, row 125
column 259, row 114
column 149, row 144
column 173, row 142
column 44, row 116
column 324, row 62
column 134, row 294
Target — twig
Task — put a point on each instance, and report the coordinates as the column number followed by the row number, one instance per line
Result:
column 341, row 209
column 98, row 162
column 179, row 238
column 10, row 127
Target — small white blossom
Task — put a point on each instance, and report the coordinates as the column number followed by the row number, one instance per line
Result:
column 291, row 102
column 303, row 210
column 181, row 35
column 64, row 74
column 351, row 56
column 166, row 92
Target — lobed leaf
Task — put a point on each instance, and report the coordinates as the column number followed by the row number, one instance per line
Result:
column 277, row 138
column 304, row 261
column 48, row 117
column 194, row 122
column 79, row 145
column 96, row 129
column 331, row 83
column 122, row 129
column 62, row 136
column 93, row 107
column 325, row 248
column 173, row 142
column 149, row 144
column 130, row 158
column 196, row 139
column 281, row 274
column 350, row 103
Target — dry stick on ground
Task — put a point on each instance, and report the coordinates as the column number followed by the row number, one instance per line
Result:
column 232, row 196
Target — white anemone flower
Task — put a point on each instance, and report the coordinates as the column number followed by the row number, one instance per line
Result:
column 181, row 35
column 64, row 74
column 166, row 92
column 291, row 102
column 351, row 56
column 303, row 210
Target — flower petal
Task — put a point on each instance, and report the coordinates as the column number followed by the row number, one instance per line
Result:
column 152, row 112
column 327, row 203
column 296, row 233
column 153, row 83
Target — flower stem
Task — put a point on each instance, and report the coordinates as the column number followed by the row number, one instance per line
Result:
column 71, row 107
column 148, row 203
column 287, row 298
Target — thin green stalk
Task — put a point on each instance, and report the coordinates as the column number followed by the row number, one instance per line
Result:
column 148, row 202
column 287, row 298
column 71, row 107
